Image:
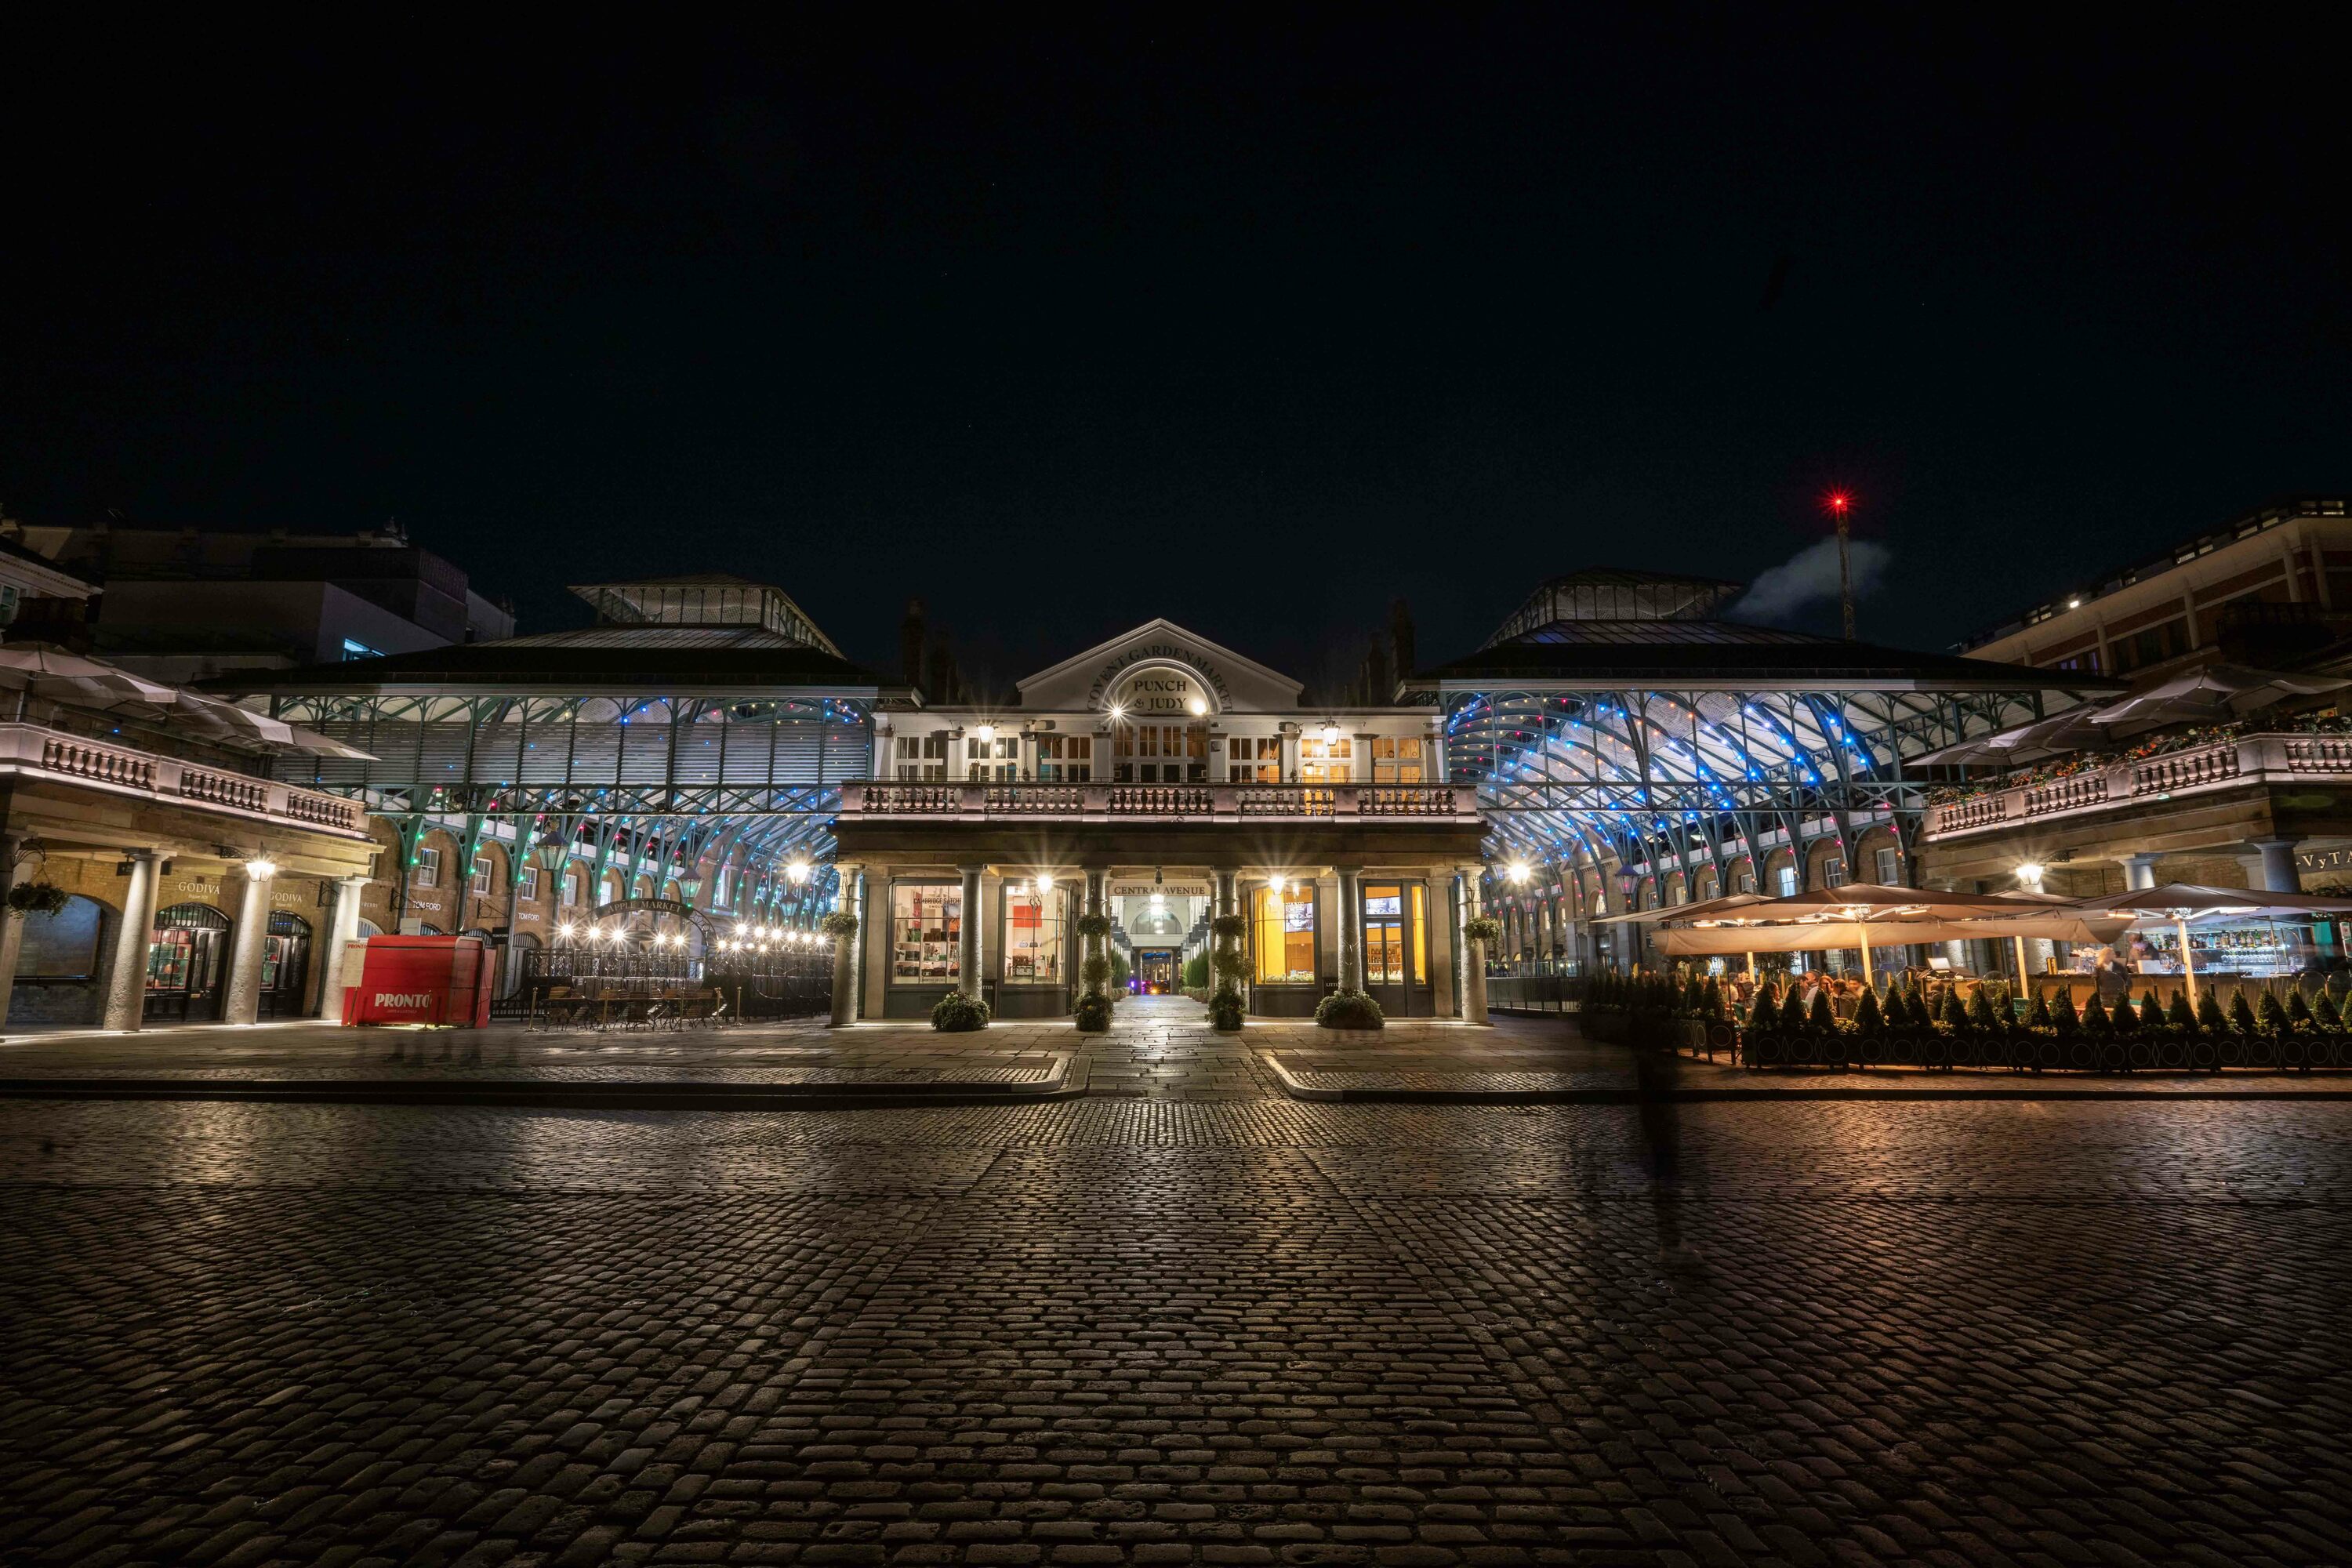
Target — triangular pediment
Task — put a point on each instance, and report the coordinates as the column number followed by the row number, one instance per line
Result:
column 1083, row 681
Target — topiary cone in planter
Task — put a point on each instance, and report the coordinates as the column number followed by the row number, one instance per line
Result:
column 1226, row 960
column 1092, row 1014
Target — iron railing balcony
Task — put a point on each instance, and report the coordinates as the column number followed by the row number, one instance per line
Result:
column 975, row 801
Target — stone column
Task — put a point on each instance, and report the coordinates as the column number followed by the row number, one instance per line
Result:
column 1445, row 900
column 871, row 939
column 126, row 989
column 1093, row 889
column 845, row 967
column 1474, row 954
column 12, row 924
column 1289, row 754
column 1225, row 892
column 1360, row 764
column 968, row 937
column 244, row 1002
column 1351, row 946
column 343, row 929
column 2279, row 874
column 2139, row 870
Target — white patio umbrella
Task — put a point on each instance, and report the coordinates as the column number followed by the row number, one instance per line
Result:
column 1849, row 916
column 2212, row 693
column 2180, row 902
column 2071, row 731
column 48, row 671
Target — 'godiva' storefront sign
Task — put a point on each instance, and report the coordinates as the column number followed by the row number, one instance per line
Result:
column 1159, row 653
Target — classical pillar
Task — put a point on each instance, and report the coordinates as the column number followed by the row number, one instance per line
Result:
column 1351, row 947
column 1289, row 754
column 126, row 989
column 2279, row 874
column 869, row 941
column 1093, row 889
column 2139, row 870
column 968, row 934
column 845, row 967
column 1225, row 892
column 12, row 924
column 244, row 1003
column 1458, row 989
column 1359, row 765
column 1474, row 954
column 343, row 929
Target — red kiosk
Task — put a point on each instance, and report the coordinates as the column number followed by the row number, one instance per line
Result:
column 434, row 981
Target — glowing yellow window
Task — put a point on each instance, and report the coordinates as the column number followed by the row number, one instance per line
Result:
column 1284, row 922
column 1384, row 934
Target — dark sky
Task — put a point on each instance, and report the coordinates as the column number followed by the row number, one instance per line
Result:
column 1254, row 323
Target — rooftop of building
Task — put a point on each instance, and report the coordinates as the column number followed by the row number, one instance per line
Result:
column 1616, row 594
column 2260, row 520
column 704, row 599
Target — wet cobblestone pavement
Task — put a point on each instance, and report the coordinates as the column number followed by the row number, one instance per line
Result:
column 1153, row 1327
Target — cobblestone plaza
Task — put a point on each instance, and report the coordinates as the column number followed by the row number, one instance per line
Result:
column 1184, row 1318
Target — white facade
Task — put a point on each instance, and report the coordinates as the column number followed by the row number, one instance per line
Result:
column 1162, row 705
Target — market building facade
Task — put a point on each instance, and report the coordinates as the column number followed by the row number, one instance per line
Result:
column 2226, row 762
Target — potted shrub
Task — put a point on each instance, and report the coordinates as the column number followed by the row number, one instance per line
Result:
column 956, row 1013
column 1350, row 1010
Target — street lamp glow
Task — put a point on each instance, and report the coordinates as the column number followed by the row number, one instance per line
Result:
column 258, row 869
column 1045, row 882
column 1330, row 734
column 1196, row 707
column 1117, row 712
column 2030, row 874
column 798, row 872
column 984, row 732
column 1518, row 871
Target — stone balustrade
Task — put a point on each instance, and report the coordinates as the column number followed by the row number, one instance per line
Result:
column 2225, row 764
column 35, row 751
column 985, row 801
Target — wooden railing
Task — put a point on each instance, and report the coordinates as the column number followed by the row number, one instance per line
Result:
column 2245, row 760
column 37, row 750
column 985, row 801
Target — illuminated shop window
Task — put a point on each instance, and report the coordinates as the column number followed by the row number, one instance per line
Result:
column 1033, row 936
column 1284, row 921
column 926, row 930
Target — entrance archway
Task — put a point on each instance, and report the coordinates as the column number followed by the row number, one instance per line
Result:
column 186, row 964
column 285, row 965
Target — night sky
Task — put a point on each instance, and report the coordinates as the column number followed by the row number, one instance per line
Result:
column 1255, row 324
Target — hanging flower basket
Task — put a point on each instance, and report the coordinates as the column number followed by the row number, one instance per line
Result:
column 36, row 898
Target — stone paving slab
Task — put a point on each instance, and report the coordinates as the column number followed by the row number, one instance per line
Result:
column 1156, row 1332
column 1159, row 1049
